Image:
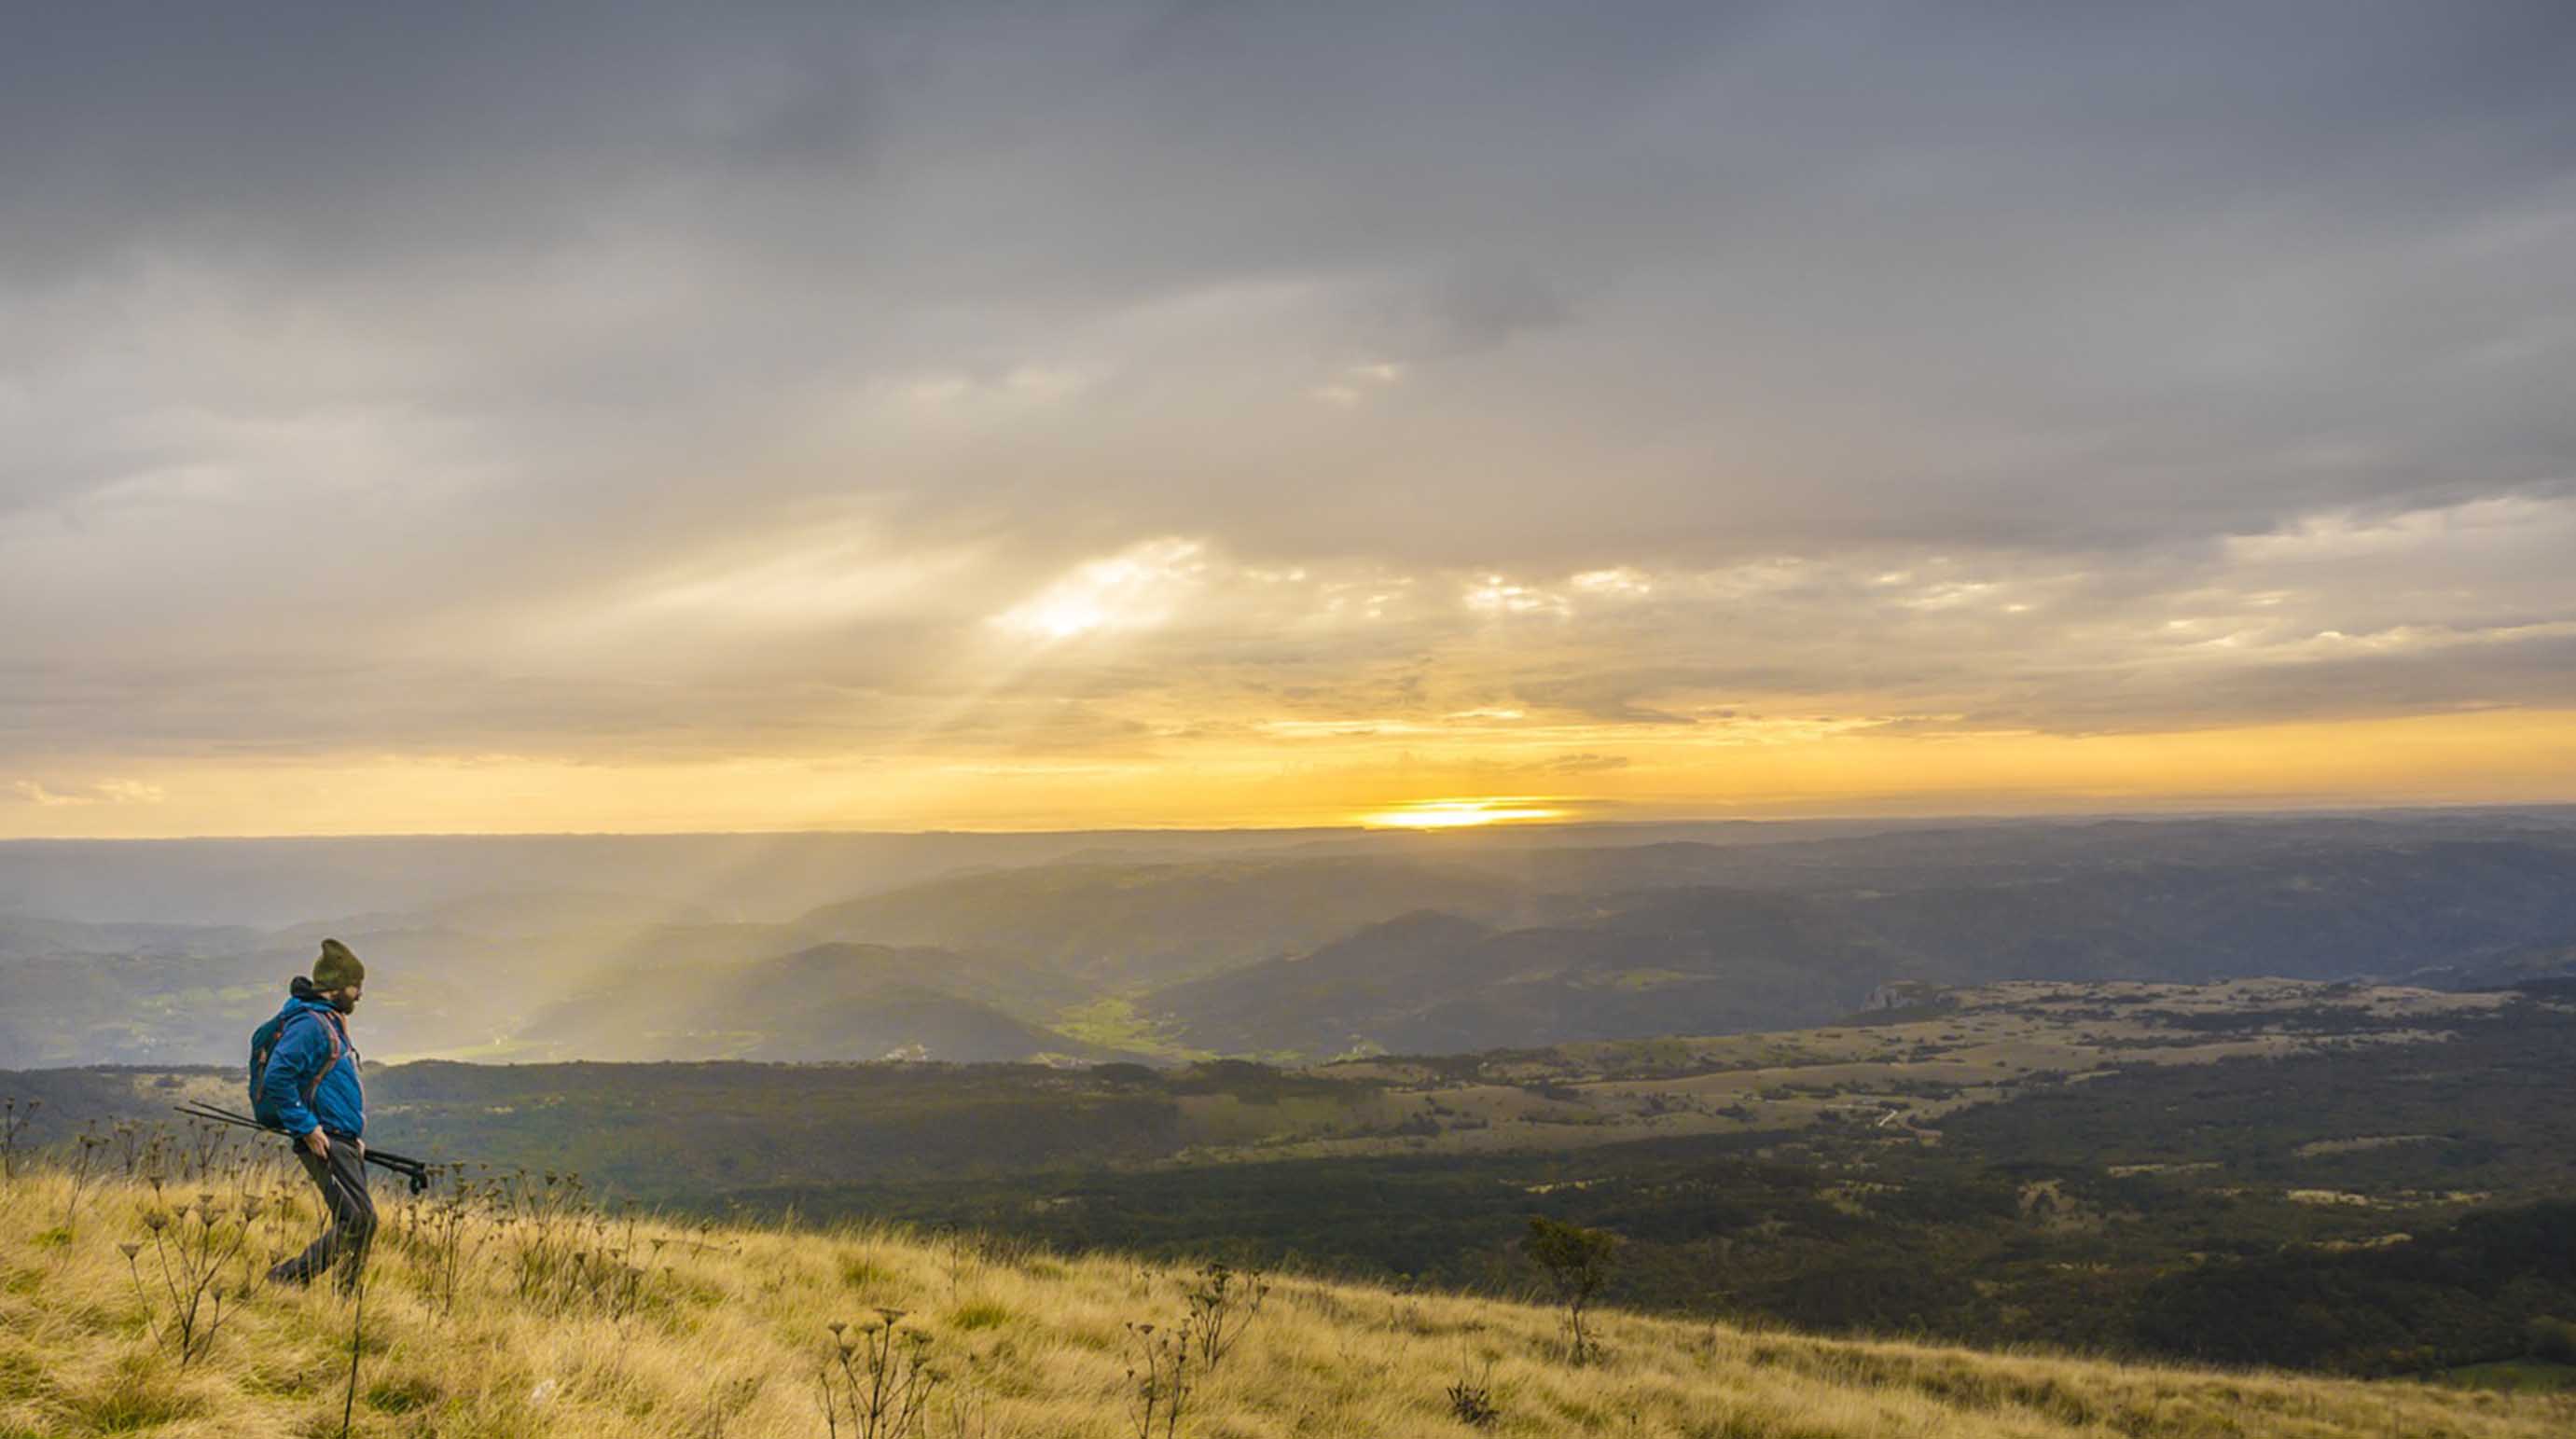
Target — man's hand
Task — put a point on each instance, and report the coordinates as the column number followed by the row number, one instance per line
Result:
column 318, row 1142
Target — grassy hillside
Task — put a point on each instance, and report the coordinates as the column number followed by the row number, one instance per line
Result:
column 521, row 1313
column 2036, row 1163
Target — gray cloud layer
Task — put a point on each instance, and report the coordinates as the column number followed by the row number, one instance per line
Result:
column 461, row 377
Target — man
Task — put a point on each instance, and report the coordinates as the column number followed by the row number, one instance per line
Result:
column 311, row 1085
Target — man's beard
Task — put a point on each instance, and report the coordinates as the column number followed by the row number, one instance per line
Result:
column 344, row 1004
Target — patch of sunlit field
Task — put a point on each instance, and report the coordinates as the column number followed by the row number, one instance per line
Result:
column 1113, row 1023
column 520, row 1311
column 1983, row 1043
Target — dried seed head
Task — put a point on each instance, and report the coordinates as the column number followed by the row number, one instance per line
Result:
column 155, row 1220
column 130, row 1250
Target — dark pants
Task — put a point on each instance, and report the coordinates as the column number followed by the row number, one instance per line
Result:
column 342, row 1178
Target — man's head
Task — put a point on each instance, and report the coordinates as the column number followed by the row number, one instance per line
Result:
column 339, row 976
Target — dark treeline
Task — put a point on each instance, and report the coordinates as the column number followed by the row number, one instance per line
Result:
column 2493, row 1285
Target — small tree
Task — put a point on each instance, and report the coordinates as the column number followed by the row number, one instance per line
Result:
column 1576, row 1262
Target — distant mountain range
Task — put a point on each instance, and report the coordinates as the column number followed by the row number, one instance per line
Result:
column 1324, row 947
column 1118, row 926
column 1697, row 958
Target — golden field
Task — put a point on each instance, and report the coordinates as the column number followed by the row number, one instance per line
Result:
column 516, row 1310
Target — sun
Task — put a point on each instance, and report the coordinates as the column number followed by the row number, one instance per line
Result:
column 1460, row 813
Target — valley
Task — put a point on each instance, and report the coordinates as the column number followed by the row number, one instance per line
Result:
column 2030, row 1162
column 1307, row 951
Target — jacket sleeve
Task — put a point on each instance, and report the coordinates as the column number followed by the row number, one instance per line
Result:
column 301, row 1052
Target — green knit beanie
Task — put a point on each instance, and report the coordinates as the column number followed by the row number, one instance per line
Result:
column 337, row 968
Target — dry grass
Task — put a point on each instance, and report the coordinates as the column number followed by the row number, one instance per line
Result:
column 724, row 1335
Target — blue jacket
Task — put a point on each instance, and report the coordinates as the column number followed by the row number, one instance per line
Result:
column 340, row 1104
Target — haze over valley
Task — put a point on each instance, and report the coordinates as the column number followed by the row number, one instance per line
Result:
column 1295, row 947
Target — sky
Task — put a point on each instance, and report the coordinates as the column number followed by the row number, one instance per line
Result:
column 1021, row 416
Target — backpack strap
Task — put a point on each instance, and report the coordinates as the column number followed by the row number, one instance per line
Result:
column 331, row 1033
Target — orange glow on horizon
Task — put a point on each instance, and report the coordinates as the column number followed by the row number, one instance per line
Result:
column 1249, row 779
column 1459, row 814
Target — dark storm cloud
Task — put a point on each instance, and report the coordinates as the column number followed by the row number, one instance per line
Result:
column 407, row 375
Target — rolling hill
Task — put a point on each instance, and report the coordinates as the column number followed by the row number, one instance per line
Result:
column 1706, row 959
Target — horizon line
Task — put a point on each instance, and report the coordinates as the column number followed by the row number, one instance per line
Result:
column 1353, row 828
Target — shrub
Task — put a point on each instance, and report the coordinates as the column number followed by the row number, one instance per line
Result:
column 880, row 1380
column 1576, row 1262
column 1222, row 1305
column 1159, row 1371
column 1471, row 1401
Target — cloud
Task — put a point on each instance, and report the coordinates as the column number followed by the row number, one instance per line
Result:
column 1138, row 588
column 1584, row 764
column 113, row 791
column 907, row 379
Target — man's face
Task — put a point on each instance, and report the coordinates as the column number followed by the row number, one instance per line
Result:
column 345, row 1000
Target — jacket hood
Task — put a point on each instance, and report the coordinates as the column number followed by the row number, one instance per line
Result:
column 300, row 994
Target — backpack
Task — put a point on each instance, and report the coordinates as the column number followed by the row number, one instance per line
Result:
column 263, row 1044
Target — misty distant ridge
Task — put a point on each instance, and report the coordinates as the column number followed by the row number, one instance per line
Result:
column 271, row 883
column 1124, row 947
column 1122, row 926
column 275, row 883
